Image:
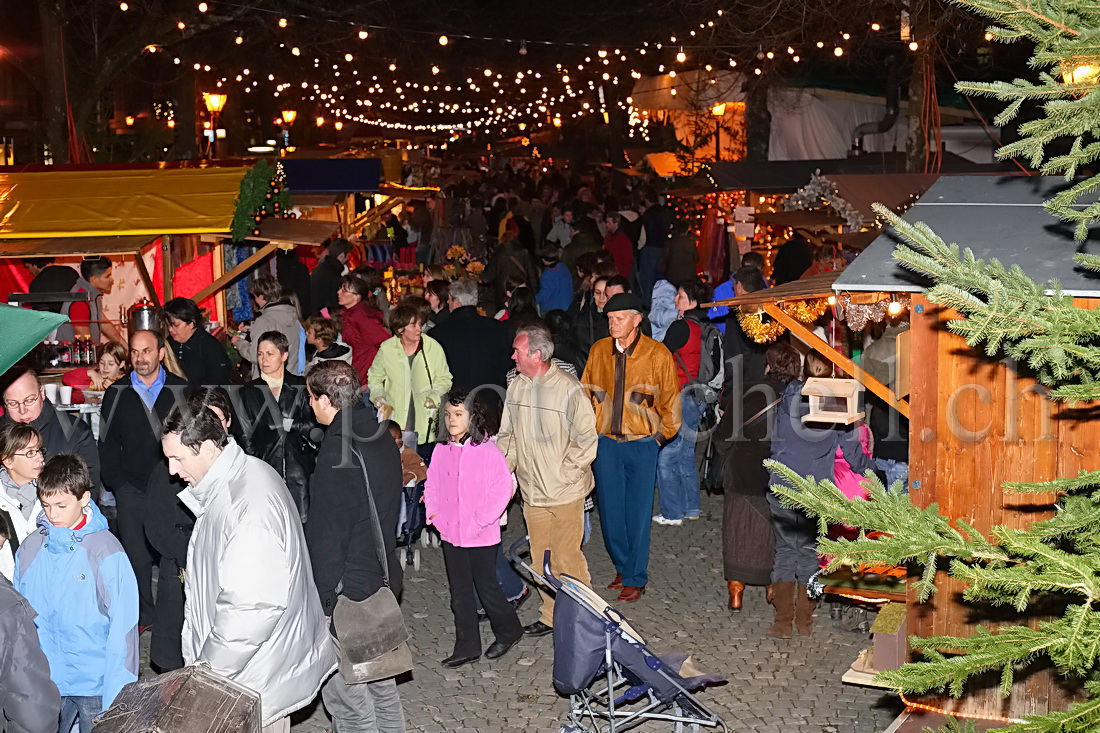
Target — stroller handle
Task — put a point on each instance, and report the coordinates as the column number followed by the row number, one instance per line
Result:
column 547, row 576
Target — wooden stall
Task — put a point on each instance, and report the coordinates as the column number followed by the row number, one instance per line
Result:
column 978, row 421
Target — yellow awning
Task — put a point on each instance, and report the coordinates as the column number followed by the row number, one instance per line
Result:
column 118, row 202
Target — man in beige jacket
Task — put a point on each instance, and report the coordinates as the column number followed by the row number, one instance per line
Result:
column 548, row 433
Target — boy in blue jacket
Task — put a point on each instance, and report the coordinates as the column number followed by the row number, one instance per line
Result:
column 75, row 574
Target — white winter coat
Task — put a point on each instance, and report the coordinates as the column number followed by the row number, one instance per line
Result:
column 23, row 527
column 252, row 610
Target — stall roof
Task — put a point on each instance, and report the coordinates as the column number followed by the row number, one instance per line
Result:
column 333, row 175
column 801, row 218
column 1000, row 217
column 117, row 202
column 295, row 231
column 814, row 286
column 75, row 246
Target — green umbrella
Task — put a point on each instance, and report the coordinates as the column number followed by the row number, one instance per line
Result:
column 22, row 330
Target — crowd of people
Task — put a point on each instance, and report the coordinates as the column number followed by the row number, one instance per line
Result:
column 579, row 374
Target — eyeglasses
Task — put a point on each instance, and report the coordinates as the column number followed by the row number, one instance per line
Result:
column 25, row 404
column 32, row 453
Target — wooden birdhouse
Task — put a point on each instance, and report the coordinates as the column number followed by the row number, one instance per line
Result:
column 833, row 400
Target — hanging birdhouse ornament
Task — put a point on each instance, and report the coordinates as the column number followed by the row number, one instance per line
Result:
column 833, row 400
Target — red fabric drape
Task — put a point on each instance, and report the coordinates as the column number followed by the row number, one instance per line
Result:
column 193, row 276
column 14, row 278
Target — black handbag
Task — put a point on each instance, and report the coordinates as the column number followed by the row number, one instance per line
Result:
column 371, row 634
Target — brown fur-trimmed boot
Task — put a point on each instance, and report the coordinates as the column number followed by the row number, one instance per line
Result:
column 736, row 589
column 783, row 602
column 804, row 607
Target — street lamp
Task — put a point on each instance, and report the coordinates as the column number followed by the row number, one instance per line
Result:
column 289, row 115
column 719, row 111
column 215, row 103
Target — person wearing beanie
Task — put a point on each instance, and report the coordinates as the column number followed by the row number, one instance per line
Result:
column 632, row 382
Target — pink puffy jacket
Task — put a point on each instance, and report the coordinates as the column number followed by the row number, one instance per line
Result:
column 467, row 491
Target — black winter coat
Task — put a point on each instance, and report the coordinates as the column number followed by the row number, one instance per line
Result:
column 129, row 434
column 29, row 700
column 204, row 360
column 63, row 433
column 260, row 418
column 478, row 351
column 342, row 543
column 324, row 281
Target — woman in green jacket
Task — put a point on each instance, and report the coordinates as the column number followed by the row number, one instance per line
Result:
column 409, row 377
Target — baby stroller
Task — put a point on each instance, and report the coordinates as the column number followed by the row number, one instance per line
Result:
column 613, row 680
column 411, row 523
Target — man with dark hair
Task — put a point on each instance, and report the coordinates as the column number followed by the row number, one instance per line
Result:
column 25, row 402
column 324, row 281
column 251, row 610
column 548, row 434
column 356, row 456
column 631, row 380
column 129, row 448
column 86, row 318
column 718, row 313
column 49, row 278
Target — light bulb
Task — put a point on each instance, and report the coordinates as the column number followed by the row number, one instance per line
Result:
column 282, row 22
column 838, row 51
column 988, row 36
column 443, row 40
column 393, row 67
column 488, row 72
column 348, row 57
column 681, row 57
column 181, row 25
column 295, row 51
column 876, row 27
column 123, row 7
column 203, row 7
column 913, row 46
column 238, row 40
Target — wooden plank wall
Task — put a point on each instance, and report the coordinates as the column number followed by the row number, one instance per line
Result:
column 977, row 422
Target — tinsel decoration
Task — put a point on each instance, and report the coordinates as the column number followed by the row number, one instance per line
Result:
column 821, row 193
column 803, row 311
column 263, row 193
column 858, row 315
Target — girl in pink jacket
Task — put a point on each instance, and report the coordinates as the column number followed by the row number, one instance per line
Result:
column 466, row 494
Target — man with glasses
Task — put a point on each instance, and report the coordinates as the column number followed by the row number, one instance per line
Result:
column 25, row 402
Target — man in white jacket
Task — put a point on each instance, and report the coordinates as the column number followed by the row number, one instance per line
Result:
column 252, row 611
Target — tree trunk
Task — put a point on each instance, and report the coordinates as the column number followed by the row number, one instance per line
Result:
column 53, row 101
column 758, row 118
column 916, row 143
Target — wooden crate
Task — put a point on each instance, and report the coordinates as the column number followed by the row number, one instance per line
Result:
column 188, row 700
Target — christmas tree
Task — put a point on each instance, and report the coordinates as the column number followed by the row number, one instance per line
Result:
column 1006, row 313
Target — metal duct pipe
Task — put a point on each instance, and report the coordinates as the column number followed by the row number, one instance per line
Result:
column 889, row 119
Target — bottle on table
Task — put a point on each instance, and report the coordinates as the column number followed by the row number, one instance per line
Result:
column 66, row 356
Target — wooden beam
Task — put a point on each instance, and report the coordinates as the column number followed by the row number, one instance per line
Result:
column 236, row 272
column 167, row 271
column 145, row 278
column 846, row 365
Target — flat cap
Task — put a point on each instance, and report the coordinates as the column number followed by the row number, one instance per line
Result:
column 624, row 302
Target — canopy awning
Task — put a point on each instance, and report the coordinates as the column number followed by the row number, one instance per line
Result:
column 75, row 246
column 102, row 203
column 801, row 218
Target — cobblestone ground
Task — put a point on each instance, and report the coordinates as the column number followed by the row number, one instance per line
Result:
column 775, row 686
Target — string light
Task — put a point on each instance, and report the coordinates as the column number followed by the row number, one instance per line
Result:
column 940, row 711
column 681, row 57
column 838, row 51
column 443, row 40
column 348, row 57
column 203, row 7
column 876, row 27
column 282, row 22
column 239, row 40
column 913, row 46
column 123, row 6
column 363, row 35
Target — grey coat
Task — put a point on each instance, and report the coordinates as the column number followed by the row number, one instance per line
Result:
column 282, row 317
column 29, row 701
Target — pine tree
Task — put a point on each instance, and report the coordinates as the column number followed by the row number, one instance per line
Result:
column 1006, row 313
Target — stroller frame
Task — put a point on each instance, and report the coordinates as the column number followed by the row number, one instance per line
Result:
column 602, row 708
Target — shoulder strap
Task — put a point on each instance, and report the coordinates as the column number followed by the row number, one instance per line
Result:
column 376, row 525
column 758, row 415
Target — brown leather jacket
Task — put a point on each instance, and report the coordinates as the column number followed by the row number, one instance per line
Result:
column 635, row 392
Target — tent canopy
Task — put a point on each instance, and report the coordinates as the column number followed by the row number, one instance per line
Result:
column 23, row 329
column 99, row 203
column 75, row 246
column 999, row 217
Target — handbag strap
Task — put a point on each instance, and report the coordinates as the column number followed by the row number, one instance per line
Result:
column 376, row 524
column 755, row 417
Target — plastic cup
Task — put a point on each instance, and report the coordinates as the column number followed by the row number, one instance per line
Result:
column 66, row 394
column 51, row 392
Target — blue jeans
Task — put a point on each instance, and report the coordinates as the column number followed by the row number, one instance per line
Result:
column 79, row 709
column 649, row 261
column 625, row 474
column 895, row 471
column 366, row 707
column 677, row 474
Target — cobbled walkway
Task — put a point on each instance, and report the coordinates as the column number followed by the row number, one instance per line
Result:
column 775, row 686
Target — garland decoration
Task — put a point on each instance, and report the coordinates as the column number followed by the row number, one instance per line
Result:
column 821, row 193
column 803, row 311
column 263, row 193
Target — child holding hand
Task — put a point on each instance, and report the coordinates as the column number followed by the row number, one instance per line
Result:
column 466, row 494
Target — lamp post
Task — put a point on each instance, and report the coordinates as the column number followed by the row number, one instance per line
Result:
column 215, row 103
column 719, row 111
column 289, row 115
